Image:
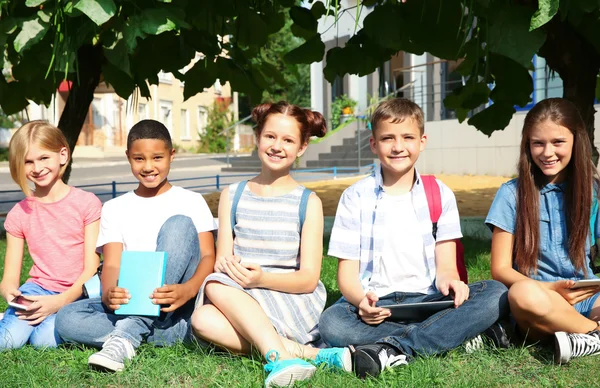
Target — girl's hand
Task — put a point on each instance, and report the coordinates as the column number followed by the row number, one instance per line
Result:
column 174, row 295
column 369, row 312
column 221, row 262
column 42, row 306
column 247, row 275
column 563, row 288
column 115, row 297
column 9, row 293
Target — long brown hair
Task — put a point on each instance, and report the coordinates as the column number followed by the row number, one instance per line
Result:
column 580, row 175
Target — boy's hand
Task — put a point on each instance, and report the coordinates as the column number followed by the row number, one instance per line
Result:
column 563, row 288
column 369, row 312
column 115, row 297
column 458, row 288
column 174, row 295
column 221, row 262
column 247, row 275
column 42, row 307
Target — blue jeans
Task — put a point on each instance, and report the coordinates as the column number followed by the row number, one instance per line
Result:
column 91, row 323
column 14, row 332
column 340, row 324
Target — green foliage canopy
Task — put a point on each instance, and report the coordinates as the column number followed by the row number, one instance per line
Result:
column 494, row 39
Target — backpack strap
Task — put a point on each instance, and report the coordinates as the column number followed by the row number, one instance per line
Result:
column 434, row 200
column 593, row 217
column 303, row 205
column 236, row 200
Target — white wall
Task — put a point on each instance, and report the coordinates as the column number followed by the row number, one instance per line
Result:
column 458, row 148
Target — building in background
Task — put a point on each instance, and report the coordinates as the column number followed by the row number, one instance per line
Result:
column 110, row 117
column 424, row 79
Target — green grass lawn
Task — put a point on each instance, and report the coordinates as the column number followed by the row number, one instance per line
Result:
column 182, row 366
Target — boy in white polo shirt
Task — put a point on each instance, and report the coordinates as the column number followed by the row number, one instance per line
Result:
column 387, row 254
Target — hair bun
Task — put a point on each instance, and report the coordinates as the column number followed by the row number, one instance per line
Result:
column 316, row 123
column 260, row 111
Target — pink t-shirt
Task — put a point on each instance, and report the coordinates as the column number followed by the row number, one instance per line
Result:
column 55, row 236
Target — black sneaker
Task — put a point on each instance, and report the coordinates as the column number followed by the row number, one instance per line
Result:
column 571, row 345
column 498, row 335
column 495, row 333
column 371, row 360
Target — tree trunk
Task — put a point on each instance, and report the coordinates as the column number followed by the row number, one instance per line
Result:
column 578, row 63
column 71, row 121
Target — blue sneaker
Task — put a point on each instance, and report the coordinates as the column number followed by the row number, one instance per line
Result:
column 286, row 372
column 335, row 358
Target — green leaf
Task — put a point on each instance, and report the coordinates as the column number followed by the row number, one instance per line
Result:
column 509, row 34
column 34, row 3
column 513, row 83
column 13, row 98
column 468, row 97
column 252, row 30
column 100, row 11
column 119, row 80
column 303, row 18
column 546, row 11
column 32, row 31
column 313, row 50
column 598, row 88
column 493, row 118
column 318, row 9
column 117, row 55
column 199, row 77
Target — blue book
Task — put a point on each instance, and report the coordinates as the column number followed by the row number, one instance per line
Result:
column 141, row 273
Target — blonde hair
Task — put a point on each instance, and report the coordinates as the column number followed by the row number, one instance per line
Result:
column 38, row 132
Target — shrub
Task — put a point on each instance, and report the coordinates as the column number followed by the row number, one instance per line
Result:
column 342, row 105
column 213, row 139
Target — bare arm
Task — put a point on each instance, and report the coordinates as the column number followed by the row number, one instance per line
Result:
column 91, row 260
column 447, row 279
column 348, row 281
column 112, row 296
column 13, row 260
column 502, row 260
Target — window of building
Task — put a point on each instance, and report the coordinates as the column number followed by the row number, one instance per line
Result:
column 202, row 119
column 97, row 117
column 166, row 78
column 165, row 114
column 142, row 111
column 184, row 125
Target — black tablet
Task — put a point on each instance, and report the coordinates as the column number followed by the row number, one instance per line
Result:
column 416, row 312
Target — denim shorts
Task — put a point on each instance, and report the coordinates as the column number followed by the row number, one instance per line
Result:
column 585, row 306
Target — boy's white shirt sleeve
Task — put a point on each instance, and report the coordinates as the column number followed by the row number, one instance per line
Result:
column 448, row 227
column 345, row 234
column 110, row 230
column 201, row 215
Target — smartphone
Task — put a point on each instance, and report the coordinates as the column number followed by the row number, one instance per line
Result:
column 20, row 303
column 586, row 283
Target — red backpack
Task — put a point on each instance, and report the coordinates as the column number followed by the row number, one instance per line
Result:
column 434, row 200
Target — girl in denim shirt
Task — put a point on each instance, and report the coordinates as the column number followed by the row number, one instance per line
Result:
column 542, row 235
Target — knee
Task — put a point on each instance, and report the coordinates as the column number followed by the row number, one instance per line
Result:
column 332, row 328
column 214, row 291
column 176, row 224
column 203, row 321
column 45, row 338
column 526, row 296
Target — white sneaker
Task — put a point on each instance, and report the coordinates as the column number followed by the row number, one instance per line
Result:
column 113, row 355
column 474, row 344
column 571, row 345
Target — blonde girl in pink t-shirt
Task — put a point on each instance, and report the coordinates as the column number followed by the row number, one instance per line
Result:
column 60, row 225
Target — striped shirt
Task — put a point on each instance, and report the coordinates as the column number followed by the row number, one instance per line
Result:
column 360, row 224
